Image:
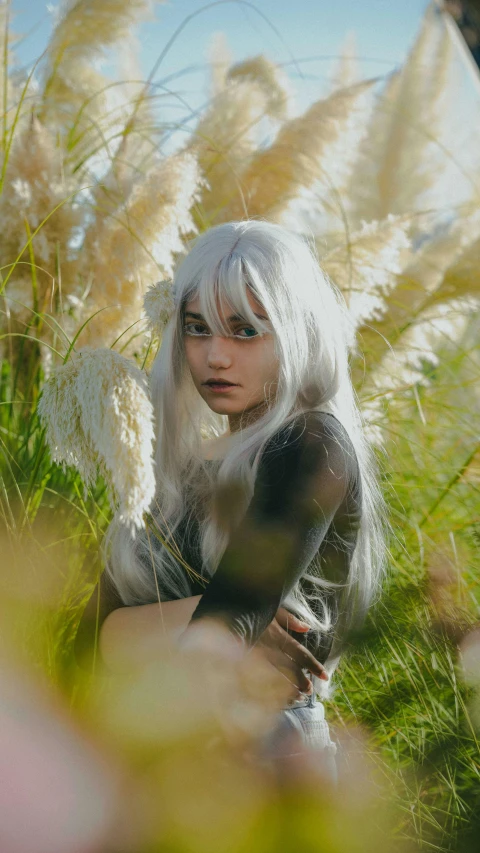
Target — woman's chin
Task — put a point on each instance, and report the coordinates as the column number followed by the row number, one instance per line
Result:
column 223, row 407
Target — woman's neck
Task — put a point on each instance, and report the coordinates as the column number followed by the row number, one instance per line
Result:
column 242, row 420
column 215, row 448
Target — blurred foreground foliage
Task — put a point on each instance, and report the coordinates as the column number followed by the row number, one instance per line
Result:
column 93, row 210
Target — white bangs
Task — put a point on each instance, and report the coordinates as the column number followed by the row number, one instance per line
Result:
column 226, row 279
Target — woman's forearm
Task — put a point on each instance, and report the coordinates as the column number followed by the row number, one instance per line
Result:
column 133, row 635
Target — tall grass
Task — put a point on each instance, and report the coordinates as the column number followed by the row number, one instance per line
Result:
column 91, row 213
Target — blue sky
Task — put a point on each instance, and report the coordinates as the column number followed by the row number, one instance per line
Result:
column 305, row 34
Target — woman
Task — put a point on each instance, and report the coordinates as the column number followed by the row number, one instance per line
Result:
column 267, row 497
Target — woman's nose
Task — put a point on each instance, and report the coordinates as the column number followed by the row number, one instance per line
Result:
column 219, row 352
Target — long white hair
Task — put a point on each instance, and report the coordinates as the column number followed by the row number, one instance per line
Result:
column 310, row 324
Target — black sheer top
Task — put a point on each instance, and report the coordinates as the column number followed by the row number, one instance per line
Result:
column 303, row 518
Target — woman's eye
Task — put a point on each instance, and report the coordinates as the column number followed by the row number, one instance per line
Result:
column 251, row 332
column 195, row 329
column 199, row 329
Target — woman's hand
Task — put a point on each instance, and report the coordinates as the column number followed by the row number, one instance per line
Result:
column 287, row 654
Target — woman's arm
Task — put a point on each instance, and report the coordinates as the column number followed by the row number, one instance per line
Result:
column 131, row 636
column 301, row 482
column 123, row 636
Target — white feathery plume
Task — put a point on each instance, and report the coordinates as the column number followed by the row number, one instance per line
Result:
column 442, row 328
column 421, row 283
column 399, row 159
column 136, row 148
column 440, row 248
column 346, row 72
column 158, row 304
column 362, row 190
column 83, row 32
column 366, row 267
column 122, row 255
column 98, row 416
column 439, row 327
column 313, row 147
column 84, row 28
column 319, row 204
column 220, row 58
column 227, row 135
column 270, row 78
column 132, row 120
column 36, row 183
column 462, row 276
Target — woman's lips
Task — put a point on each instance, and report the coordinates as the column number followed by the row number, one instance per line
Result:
column 219, row 387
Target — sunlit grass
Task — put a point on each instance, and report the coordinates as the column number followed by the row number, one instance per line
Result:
column 404, row 682
column 76, row 260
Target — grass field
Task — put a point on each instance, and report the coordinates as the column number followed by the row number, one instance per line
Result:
column 91, row 214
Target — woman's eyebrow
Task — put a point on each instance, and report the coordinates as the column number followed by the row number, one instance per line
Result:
column 233, row 319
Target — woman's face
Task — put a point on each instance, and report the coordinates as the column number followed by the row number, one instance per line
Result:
column 245, row 359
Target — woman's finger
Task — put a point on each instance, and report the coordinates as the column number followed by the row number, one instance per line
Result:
column 304, row 658
column 278, row 638
column 289, row 621
column 292, row 672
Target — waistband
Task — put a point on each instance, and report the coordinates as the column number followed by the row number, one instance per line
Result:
column 305, row 702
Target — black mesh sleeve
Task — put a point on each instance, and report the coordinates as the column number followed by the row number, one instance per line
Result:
column 303, row 477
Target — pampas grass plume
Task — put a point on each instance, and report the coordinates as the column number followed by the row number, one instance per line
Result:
column 399, row 160
column 297, row 156
column 366, row 267
column 98, row 417
column 158, row 304
column 122, row 253
column 36, row 183
column 227, row 135
column 438, row 328
column 83, row 32
column 85, row 27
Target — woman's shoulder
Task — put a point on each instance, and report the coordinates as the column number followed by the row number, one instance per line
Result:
column 310, row 428
column 313, row 435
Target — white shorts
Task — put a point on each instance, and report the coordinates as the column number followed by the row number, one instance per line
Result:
column 302, row 730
